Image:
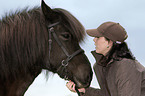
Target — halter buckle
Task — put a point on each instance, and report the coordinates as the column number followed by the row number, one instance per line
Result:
column 64, row 63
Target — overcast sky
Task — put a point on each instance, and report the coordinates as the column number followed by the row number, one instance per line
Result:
column 91, row 13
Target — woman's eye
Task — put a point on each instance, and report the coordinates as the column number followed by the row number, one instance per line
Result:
column 96, row 37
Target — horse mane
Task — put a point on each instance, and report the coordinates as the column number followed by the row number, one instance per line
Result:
column 24, row 38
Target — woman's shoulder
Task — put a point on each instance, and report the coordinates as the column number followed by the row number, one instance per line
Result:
column 126, row 60
column 129, row 64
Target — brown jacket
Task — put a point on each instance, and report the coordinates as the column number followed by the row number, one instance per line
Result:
column 123, row 77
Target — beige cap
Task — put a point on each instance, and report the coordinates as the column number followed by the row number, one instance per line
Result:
column 111, row 30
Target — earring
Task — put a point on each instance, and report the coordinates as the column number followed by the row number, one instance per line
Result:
column 108, row 46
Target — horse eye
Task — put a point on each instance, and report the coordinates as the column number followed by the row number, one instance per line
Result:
column 65, row 35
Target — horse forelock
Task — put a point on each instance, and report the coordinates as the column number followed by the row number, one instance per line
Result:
column 76, row 28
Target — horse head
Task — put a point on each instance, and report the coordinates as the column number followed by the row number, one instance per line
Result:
column 64, row 54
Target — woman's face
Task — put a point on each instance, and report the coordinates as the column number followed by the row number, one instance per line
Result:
column 102, row 45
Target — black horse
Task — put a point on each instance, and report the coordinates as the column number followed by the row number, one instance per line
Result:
column 41, row 38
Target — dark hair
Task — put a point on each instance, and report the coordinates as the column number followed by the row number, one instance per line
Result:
column 117, row 52
column 122, row 51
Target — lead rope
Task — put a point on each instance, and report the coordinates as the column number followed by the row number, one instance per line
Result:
column 77, row 91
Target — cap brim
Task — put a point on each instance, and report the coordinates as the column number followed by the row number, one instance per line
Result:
column 93, row 33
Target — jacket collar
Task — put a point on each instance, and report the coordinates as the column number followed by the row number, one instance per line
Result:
column 98, row 56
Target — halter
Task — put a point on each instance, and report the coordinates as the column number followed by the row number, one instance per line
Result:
column 65, row 62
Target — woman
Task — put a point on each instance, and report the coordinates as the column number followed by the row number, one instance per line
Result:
column 117, row 71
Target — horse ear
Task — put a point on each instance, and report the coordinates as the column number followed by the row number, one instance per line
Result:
column 47, row 11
